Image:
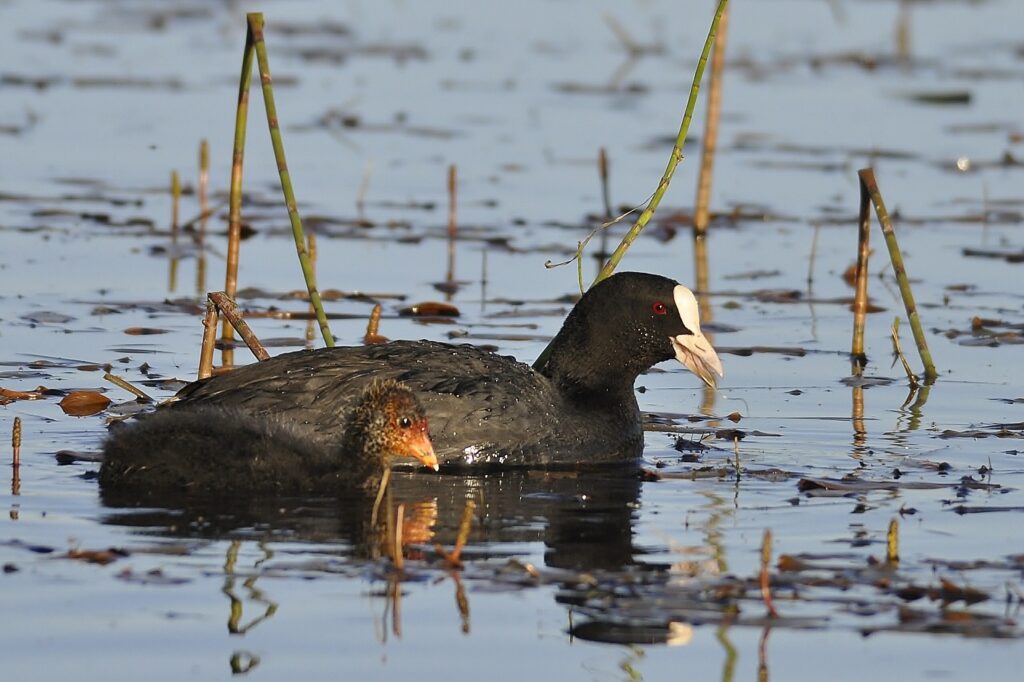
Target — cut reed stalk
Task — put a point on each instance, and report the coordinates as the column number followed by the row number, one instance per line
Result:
column 311, row 247
column 453, row 186
column 602, row 169
column 867, row 178
column 765, row 579
column 675, row 157
column 175, row 205
column 231, row 313
column 860, row 299
column 204, row 187
column 892, row 543
column 255, row 23
column 701, row 211
column 373, row 335
column 397, row 557
column 209, row 334
column 16, row 443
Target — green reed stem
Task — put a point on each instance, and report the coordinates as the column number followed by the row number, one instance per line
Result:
column 867, row 178
column 255, row 21
column 674, row 158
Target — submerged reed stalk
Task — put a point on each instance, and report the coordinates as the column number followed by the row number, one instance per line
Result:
column 867, row 179
column 255, row 23
column 675, row 157
column 860, row 299
column 373, row 335
column 701, row 210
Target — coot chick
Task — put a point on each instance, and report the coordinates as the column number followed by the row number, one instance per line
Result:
column 575, row 407
column 216, row 449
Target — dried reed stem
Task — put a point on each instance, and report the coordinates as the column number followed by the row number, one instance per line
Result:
column 372, row 326
column 860, row 300
column 255, row 23
column 892, row 543
column 231, row 313
column 397, row 557
column 16, row 443
column 209, row 334
column 701, row 211
column 766, row 560
column 602, row 169
column 453, row 186
column 867, row 178
column 204, row 187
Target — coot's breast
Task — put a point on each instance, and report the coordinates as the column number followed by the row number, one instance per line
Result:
column 484, row 409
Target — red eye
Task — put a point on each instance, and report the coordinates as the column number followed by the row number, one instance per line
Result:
column 659, row 308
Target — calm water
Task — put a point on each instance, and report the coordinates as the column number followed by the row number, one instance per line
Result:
column 566, row 576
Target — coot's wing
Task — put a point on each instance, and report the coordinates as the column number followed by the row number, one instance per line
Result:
column 483, row 408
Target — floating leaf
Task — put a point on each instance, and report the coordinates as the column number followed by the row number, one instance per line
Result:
column 95, row 556
column 430, row 309
column 84, row 403
column 144, row 331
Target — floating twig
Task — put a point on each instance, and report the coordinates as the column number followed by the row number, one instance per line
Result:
column 766, row 559
column 701, row 210
column 675, row 157
column 255, row 24
column 121, row 383
column 867, row 178
column 860, row 300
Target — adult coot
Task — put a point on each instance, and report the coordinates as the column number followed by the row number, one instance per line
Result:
column 575, row 407
column 215, row 449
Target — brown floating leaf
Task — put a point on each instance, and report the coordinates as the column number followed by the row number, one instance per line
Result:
column 430, row 309
column 84, row 403
column 144, row 331
column 855, row 485
column 95, row 556
column 8, row 395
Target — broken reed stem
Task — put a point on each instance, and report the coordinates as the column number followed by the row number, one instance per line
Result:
column 860, row 299
column 867, row 178
column 372, row 335
column 175, row 205
column 231, row 313
column 674, row 158
column 766, row 559
column 452, row 220
column 602, row 169
column 204, row 187
column 255, row 23
column 892, row 543
column 16, row 443
column 235, row 191
column 121, row 383
column 209, row 334
column 898, row 349
column 701, row 211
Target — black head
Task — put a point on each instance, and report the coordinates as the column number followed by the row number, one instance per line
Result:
column 624, row 325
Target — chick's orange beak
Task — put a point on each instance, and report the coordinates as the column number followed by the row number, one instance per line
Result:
column 419, row 445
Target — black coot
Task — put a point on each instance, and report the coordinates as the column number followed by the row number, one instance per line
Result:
column 576, row 407
column 220, row 449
